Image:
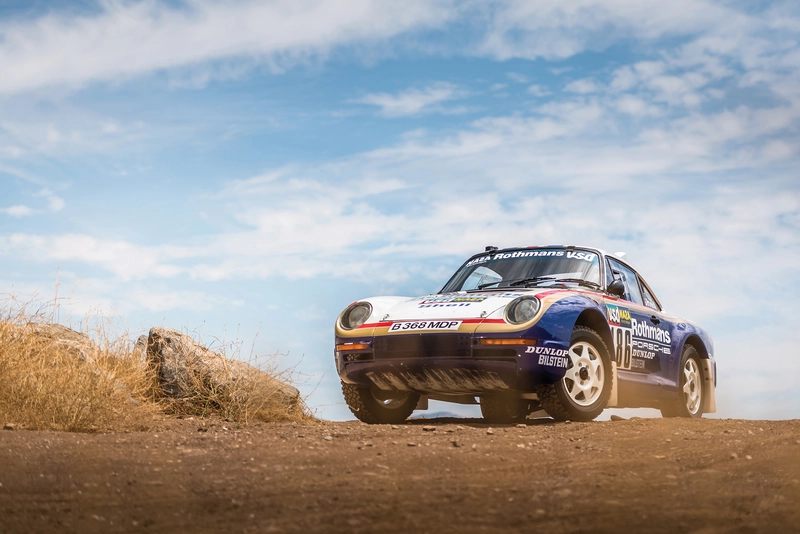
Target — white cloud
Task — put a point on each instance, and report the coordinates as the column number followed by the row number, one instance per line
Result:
column 204, row 40
column 584, row 86
column 517, row 77
column 124, row 259
column 63, row 129
column 54, row 203
column 76, row 298
column 166, row 299
column 538, row 90
column 125, row 39
column 665, row 82
column 636, row 106
column 412, row 101
column 18, row 211
column 557, row 30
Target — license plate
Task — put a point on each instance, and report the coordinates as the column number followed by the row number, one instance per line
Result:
column 410, row 326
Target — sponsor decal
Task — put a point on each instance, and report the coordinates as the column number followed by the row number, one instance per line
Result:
column 643, row 354
column 409, row 326
column 651, row 332
column 445, row 305
column 548, row 351
column 585, row 256
column 638, row 364
column 618, row 316
column 451, row 298
column 553, row 361
column 449, row 301
column 572, row 254
column 619, row 319
column 650, row 348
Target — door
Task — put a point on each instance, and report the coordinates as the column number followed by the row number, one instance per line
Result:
column 643, row 336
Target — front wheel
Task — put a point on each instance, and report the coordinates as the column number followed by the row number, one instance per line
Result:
column 689, row 402
column 585, row 388
column 381, row 407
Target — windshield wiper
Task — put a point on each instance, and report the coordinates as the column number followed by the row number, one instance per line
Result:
column 516, row 282
column 536, row 279
column 525, row 281
column 580, row 281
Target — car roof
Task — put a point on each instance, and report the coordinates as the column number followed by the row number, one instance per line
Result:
column 600, row 251
column 528, row 247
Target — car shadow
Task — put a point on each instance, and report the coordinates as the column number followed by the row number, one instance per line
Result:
column 477, row 422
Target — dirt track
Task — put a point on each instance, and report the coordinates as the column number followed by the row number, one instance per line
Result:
column 652, row 475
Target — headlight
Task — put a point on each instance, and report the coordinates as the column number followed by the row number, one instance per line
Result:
column 522, row 310
column 355, row 315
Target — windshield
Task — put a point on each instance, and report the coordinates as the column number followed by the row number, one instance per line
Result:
column 522, row 267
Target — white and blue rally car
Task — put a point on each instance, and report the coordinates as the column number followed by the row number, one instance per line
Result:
column 570, row 330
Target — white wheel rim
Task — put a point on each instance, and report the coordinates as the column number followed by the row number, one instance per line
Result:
column 692, row 386
column 585, row 377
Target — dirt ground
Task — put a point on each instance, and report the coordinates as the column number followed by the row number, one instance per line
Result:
column 441, row 475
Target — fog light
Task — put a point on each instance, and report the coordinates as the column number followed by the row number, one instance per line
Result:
column 352, row 346
column 495, row 341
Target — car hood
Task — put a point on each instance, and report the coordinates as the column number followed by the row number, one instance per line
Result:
column 442, row 306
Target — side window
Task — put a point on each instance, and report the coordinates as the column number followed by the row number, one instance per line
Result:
column 481, row 275
column 609, row 275
column 628, row 277
column 649, row 300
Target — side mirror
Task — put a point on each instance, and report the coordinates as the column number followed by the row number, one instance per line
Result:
column 617, row 288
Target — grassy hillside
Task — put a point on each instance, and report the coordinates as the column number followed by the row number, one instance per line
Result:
column 53, row 378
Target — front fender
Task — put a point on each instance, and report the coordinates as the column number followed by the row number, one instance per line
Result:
column 553, row 332
column 561, row 316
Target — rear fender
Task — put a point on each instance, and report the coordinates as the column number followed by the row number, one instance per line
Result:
column 702, row 343
column 709, row 400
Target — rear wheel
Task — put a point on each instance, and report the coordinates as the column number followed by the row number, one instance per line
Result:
column 689, row 401
column 583, row 392
column 379, row 407
column 504, row 409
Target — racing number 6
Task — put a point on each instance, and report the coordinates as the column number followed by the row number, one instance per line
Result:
column 622, row 348
column 627, row 348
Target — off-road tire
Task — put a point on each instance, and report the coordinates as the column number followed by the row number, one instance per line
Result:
column 681, row 405
column 555, row 398
column 504, row 409
column 368, row 409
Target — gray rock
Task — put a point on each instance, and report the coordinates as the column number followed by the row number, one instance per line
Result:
column 183, row 365
column 76, row 343
column 139, row 352
column 81, row 347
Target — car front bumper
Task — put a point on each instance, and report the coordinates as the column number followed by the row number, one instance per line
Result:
column 447, row 364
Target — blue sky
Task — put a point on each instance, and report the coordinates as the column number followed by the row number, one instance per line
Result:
column 246, row 169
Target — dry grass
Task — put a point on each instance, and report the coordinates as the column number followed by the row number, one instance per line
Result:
column 48, row 384
column 78, row 384
column 220, row 383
